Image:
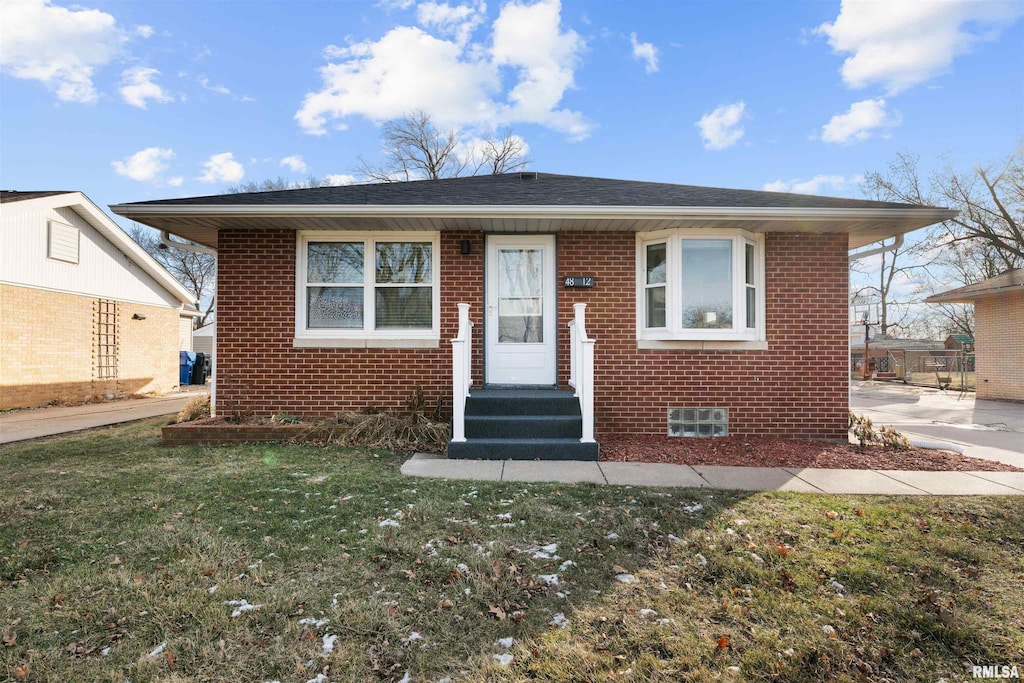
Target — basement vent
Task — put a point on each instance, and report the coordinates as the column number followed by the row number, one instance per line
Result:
column 698, row 422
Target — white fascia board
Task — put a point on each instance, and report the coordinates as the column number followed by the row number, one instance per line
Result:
column 533, row 211
column 96, row 217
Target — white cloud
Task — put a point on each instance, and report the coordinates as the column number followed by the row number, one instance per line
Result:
column 295, row 163
column 340, row 179
column 645, row 52
column 819, row 184
column 862, row 121
column 410, row 69
column 146, row 164
column 901, row 43
column 217, row 88
column 57, row 46
column 723, row 127
column 459, row 21
column 176, row 181
column 222, row 168
column 137, row 86
column 144, row 31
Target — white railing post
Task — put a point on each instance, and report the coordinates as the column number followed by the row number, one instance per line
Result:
column 462, row 361
column 581, row 368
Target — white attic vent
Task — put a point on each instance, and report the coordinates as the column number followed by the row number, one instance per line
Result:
column 62, row 242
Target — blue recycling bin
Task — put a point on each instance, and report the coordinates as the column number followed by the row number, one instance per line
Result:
column 186, row 360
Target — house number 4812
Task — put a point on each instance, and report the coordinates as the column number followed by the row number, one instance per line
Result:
column 578, row 281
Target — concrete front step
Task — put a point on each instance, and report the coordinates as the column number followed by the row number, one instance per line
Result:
column 523, row 449
column 506, row 402
column 524, row 426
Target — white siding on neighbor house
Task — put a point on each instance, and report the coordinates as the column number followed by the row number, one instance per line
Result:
column 185, row 333
column 202, row 340
column 63, row 242
column 102, row 270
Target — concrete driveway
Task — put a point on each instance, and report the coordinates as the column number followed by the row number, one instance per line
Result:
column 21, row 425
column 985, row 429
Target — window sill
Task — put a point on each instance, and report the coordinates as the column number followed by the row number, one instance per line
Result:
column 365, row 343
column 703, row 345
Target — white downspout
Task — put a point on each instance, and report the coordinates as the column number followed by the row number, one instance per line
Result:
column 166, row 241
column 897, row 243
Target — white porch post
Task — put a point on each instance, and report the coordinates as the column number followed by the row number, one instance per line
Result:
column 581, row 364
column 462, row 352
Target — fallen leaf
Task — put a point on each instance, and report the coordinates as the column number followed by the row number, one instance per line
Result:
column 618, row 569
column 169, row 658
column 22, row 671
column 723, row 643
column 859, row 512
column 209, row 571
column 498, row 612
column 831, row 514
column 10, row 638
column 58, row 599
column 445, row 604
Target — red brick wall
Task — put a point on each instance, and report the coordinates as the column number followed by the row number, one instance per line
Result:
column 258, row 371
column 797, row 388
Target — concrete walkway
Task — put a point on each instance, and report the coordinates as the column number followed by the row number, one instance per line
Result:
column 21, row 425
column 982, row 429
column 882, row 482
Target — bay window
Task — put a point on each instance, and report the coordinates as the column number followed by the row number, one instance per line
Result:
column 695, row 285
column 367, row 287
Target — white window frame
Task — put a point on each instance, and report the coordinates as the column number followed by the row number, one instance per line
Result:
column 673, row 330
column 367, row 337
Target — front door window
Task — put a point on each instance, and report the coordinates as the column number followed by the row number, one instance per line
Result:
column 520, row 296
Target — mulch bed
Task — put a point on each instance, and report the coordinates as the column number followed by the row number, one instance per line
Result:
column 764, row 452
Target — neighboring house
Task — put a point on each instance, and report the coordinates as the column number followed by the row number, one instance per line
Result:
column 186, row 327
column 960, row 342
column 998, row 332
column 894, row 358
column 203, row 339
column 84, row 311
column 714, row 311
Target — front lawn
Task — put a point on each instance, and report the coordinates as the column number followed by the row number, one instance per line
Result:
column 124, row 560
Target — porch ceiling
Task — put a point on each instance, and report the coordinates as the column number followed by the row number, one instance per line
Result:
column 201, row 223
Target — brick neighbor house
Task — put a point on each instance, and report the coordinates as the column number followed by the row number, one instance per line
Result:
column 84, row 311
column 707, row 311
column 998, row 332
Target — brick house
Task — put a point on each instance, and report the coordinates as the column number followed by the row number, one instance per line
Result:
column 998, row 333
column 84, row 311
column 707, row 311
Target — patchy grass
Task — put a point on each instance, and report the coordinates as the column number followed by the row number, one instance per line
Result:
column 121, row 559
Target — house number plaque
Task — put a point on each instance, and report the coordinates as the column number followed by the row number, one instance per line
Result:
column 578, row 281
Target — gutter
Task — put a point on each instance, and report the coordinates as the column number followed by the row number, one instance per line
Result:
column 526, row 211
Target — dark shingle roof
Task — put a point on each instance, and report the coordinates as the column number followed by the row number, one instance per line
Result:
column 7, row 196
column 528, row 189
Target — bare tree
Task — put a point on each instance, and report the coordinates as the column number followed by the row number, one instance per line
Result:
column 991, row 203
column 893, row 314
column 990, row 200
column 983, row 241
column 278, row 183
column 416, row 149
column 195, row 271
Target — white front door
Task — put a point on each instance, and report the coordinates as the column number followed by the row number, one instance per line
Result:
column 520, row 315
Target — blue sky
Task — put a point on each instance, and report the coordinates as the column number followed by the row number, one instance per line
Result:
column 129, row 101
